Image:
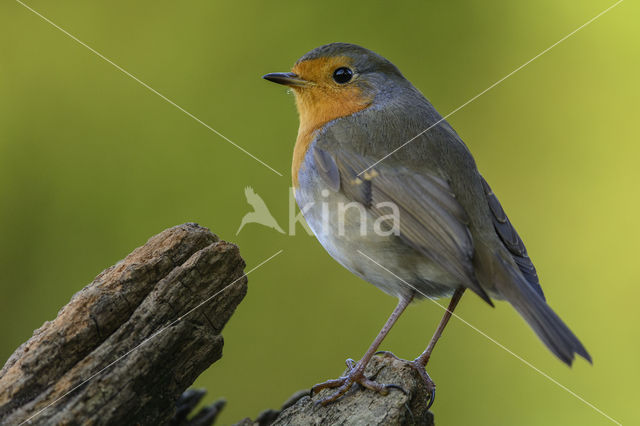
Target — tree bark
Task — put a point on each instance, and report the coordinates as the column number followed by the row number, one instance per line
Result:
column 359, row 406
column 126, row 347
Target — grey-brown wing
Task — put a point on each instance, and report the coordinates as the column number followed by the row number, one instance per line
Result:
column 512, row 240
column 430, row 218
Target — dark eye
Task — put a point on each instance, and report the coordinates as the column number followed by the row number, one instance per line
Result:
column 342, row 75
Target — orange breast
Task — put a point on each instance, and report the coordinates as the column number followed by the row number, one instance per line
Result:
column 320, row 103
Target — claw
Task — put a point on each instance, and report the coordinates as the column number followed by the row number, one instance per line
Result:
column 431, row 387
column 387, row 354
column 397, row 387
column 355, row 375
column 350, row 363
column 432, row 398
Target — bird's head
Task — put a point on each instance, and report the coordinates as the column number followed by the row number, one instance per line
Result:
column 336, row 80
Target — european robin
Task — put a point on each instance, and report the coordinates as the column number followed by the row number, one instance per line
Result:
column 422, row 222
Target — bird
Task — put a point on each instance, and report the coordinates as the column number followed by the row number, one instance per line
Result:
column 260, row 213
column 433, row 227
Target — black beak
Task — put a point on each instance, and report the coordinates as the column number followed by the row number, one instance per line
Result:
column 286, row 78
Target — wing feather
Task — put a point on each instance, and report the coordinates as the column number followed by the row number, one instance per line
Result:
column 431, row 221
column 512, row 240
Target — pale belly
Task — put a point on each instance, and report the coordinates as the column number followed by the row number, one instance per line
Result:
column 351, row 237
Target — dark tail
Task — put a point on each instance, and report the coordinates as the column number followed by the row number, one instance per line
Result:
column 542, row 319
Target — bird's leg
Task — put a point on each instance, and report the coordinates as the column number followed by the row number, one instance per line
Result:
column 420, row 363
column 423, row 359
column 356, row 372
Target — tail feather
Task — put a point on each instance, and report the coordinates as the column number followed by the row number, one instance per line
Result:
column 541, row 318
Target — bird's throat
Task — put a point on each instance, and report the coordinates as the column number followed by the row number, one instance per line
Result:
column 318, row 106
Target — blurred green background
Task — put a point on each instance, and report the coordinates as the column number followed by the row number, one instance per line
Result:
column 92, row 164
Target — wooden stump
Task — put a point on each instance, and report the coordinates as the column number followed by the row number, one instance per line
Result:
column 359, row 406
column 126, row 347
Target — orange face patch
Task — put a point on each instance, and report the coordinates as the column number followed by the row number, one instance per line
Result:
column 321, row 101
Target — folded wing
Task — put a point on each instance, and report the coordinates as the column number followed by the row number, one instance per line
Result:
column 431, row 219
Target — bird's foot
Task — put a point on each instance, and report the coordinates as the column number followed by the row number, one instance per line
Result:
column 344, row 383
column 429, row 384
column 422, row 372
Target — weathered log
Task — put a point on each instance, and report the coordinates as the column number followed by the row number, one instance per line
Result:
column 359, row 406
column 126, row 347
column 188, row 402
